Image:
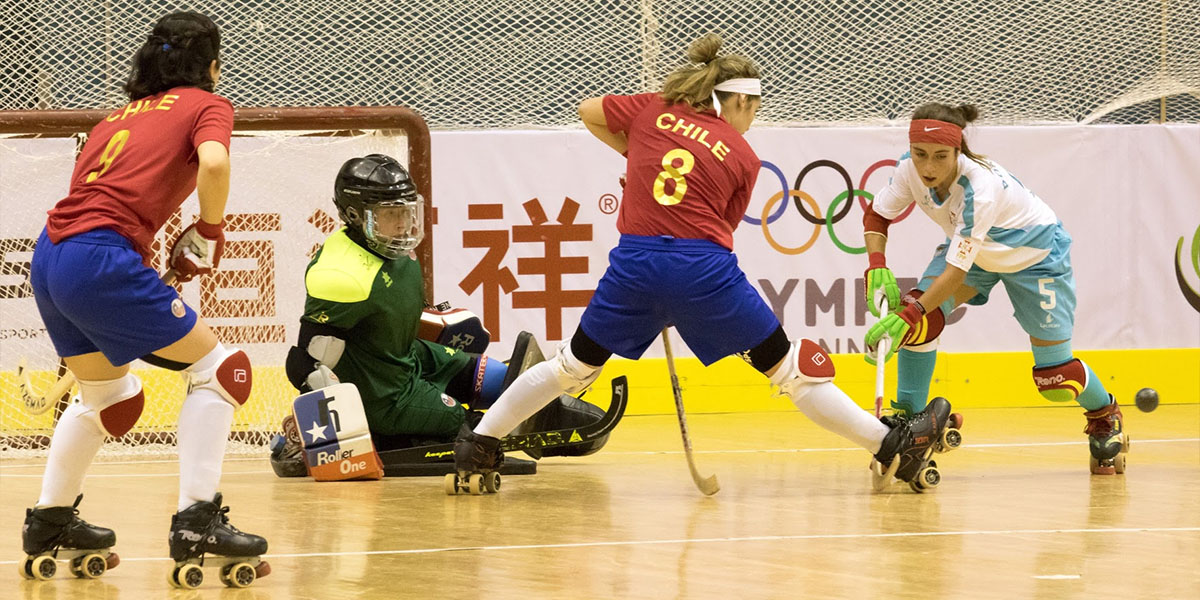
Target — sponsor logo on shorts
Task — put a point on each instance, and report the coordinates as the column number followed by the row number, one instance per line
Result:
column 177, row 308
column 448, row 401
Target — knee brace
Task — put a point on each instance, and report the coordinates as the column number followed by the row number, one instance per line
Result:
column 926, row 331
column 115, row 405
column 805, row 363
column 572, row 374
column 224, row 371
column 1061, row 383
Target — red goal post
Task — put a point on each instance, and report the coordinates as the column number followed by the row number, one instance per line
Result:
column 284, row 162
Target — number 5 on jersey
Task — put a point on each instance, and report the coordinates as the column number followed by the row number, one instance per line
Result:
column 671, row 172
column 115, row 145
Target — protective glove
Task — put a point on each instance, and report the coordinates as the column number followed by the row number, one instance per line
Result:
column 876, row 276
column 198, row 250
column 321, row 378
column 895, row 326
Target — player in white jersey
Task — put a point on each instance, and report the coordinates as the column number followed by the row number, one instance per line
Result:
column 997, row 230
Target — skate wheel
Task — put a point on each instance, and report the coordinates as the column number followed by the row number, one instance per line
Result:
column 491, row 482
column 951, row 439
column 1099, row 468
column 930, row 477
column 42, row 568
column 239, row 575
column 1119, row 463
column 450, row 484
column 25, row 568
column 90, row 566
column 475, row 484
column 188, row 577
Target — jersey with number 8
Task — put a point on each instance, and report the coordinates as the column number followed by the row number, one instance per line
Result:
column 689, row 174
column 139, row 164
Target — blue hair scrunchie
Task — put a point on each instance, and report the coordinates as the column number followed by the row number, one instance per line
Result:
column 166, row 47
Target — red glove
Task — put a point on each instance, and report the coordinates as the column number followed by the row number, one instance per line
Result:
column 198, row 250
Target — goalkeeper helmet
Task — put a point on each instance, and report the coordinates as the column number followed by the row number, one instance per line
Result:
column 377, row 199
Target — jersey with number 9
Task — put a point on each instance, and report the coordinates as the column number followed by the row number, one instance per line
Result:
column 139, row 164
column 689, row 174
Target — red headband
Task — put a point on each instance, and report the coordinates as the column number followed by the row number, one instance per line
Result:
column 935, row 132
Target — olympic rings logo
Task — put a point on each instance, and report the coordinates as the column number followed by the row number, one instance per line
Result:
column 833, row 214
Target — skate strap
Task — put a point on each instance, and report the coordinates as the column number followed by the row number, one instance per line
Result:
column 333, row 429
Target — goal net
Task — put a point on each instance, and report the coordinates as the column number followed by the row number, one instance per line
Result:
column 521, row 63
column 280, row 209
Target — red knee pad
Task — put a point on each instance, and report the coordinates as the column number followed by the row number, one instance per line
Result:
column 235, row 377
column 231, row 377
column 118, row 418
column 813, row 362
column 1061, row 383
column 928, row 328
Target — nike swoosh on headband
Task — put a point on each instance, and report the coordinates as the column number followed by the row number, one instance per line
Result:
column 932, row 128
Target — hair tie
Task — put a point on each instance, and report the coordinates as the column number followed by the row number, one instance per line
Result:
column 166, row 47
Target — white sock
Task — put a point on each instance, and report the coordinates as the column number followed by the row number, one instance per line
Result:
column 828, row 406
column 76, row 440
column 204, row 424
column 532, row 390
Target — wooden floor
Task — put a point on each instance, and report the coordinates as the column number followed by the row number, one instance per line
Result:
column 1017, row 516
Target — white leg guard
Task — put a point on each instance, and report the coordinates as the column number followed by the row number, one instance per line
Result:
column 806, row 378
column 535, row 388
column 204, row 424
column 109, row 407
column 217, row 385
column 828, row 406
column 76, row 440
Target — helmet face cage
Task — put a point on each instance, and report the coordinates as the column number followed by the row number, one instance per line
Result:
column 394, row 228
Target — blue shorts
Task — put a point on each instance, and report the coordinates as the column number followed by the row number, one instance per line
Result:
column 695, row 285
column 94, row 294
column 1042, row 295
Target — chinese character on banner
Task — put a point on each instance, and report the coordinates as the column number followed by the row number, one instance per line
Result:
column 552, row 265
column 245, row 296
column 488, row 274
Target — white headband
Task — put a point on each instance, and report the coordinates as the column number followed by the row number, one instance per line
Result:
column 748, row 86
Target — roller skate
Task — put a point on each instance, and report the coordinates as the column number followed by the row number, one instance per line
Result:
column 1106, row 439
column 204, row 527
column 906, row 451
column 57, row 533
column 476, row 460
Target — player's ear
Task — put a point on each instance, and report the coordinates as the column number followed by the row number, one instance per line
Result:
column 214, row 71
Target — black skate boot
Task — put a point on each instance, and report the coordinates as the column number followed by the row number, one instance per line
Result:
column 57, row 533
column 905, row 451
column 476, row 460
column 204, row 528
column 1106, row 439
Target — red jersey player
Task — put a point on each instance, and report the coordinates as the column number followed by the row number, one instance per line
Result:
column 104, row 306
column 689, row 177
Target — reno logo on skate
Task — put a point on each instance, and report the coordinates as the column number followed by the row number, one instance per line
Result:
column 1048, row 381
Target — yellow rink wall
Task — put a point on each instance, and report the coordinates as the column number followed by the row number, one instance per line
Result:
column 969, row 380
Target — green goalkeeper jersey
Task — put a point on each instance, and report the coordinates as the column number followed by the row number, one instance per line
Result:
column 379, row 303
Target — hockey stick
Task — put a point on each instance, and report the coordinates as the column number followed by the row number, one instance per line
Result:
column 36, row 403
column 524, row 441
column 881, row 477
column 881, row 350
column 707, row 486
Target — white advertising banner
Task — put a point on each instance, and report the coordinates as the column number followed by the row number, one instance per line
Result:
column 526, row 219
